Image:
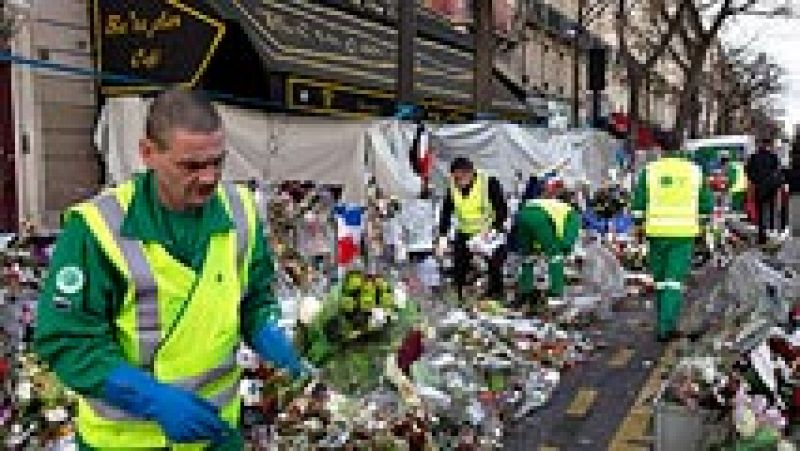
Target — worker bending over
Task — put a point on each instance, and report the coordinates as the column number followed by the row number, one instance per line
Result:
column 550, row 226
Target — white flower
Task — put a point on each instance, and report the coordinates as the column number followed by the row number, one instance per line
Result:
column 309, row 309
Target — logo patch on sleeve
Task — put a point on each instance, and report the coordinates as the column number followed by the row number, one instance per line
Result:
column 61, row 303
column 70, row 280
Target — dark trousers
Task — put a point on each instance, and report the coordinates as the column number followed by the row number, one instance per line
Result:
column 462, row 264
column 765, row 208
column 784, row 211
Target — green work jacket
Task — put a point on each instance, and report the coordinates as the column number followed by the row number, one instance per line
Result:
column 84, row 292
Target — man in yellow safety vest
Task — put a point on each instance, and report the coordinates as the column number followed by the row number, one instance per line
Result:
column 670, row 197
column 737, row 182
column 477, row 202
column 152, row 286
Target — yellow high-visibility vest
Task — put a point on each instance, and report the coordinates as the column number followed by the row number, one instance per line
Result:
column 740, row 184
column 673, row 198
column 473, row 212
column 558, row 212
column 156, row 283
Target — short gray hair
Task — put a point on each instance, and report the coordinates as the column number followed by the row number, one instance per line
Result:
column 178, row 108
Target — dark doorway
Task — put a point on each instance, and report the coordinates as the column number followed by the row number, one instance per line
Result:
column 8, row 172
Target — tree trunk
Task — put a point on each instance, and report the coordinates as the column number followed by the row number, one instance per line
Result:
column 634, row 82
column 721, row 112
column 686, row 114
column 647, row 99
column 696, row 109
column 694, row 114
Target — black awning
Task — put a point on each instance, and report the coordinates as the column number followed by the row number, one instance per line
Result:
column 332, row 51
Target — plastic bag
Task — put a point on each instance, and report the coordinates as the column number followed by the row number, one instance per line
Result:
column 602, row 272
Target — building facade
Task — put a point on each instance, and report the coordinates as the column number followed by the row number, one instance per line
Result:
column 54, row 111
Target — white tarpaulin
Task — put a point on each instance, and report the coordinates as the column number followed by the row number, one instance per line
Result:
column 504, row 149
column 273, row 148
column 501, row 149
column 260, row 146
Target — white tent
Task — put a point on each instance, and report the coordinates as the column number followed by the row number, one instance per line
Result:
column 260, row 146
column 269, row 147
column 501, row 149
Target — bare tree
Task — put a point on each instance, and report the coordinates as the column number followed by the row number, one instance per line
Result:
column 745, row 83
column 651, row 40
column 701, row 27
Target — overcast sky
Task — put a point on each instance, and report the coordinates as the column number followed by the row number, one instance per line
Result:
column 780, row 38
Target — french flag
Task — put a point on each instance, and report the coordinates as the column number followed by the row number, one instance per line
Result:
column 421, row 156
column 349, row 230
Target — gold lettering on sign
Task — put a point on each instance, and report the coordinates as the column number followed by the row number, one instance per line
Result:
column 331, row 37
column 115, row 25
column 164, row 22
column 138, row 25
column 146, row 58
column 133, row 23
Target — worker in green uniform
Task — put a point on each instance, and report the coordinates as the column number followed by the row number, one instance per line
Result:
column 737, row 182
column 670, row 197
column 152, row 286
column 707, row 159
column 550, row 226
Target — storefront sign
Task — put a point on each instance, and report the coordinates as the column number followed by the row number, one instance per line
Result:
column 305, row 37
column 143, row 44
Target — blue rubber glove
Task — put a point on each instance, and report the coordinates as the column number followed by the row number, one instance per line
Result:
column 272, row 344
column 183, row 416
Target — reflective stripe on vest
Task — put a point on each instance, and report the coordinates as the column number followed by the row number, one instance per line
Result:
column 239, row 220
column 558, row 212
column 144, row 284
column 740, row 185
column 669, row 285
column 473, row 211
column 673, row 187
column 102, row 424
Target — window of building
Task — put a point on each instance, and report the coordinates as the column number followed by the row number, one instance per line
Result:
column 546, row 48
column 561, row 90
column 546, row 86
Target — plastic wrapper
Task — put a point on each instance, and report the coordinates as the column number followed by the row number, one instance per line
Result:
column 752, row 279
column 601, row 272
column 361, row 321
column 485, row 244
column 488, row 367
column 789, row 253
column 315, row 236
column 417, row 219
